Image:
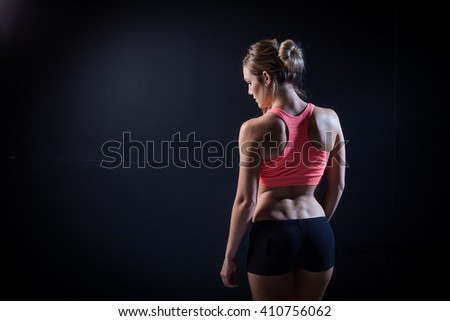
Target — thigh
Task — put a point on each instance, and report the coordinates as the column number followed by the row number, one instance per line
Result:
column 271, row 287
column 310, row 286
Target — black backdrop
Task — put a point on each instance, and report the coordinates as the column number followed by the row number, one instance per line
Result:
column 77, row 75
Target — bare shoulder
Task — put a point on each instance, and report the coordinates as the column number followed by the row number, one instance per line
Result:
column 255, row 128
column 326, row 117
column 325, row 113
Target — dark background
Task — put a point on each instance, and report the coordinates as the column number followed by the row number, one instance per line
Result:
column 78, row 74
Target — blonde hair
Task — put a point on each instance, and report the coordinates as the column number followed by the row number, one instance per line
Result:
column 283, row 61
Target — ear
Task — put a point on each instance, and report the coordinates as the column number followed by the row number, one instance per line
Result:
column 267, row 78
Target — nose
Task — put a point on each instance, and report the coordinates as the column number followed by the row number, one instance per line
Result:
column 249, row 91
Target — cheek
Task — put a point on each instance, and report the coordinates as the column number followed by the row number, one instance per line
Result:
column 262, row 94
column 256, row 90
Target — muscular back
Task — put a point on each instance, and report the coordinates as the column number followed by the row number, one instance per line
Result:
column 295, row 201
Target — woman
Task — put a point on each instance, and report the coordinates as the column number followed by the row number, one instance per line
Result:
column 284, row 156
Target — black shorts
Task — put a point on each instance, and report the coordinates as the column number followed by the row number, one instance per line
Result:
column 277, row 247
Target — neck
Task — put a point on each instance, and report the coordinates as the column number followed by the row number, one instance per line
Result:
column 287, row 99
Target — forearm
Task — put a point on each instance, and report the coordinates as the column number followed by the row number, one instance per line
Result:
column 330, row 199
column 240, row 219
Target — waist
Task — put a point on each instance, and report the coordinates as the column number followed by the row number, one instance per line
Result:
column 287, row 202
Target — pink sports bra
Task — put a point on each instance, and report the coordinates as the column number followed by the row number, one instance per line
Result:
column 300, row 162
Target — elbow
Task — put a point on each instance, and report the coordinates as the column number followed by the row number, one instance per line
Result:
column 244, row 208
column 337, row 185
column 339, row 189
column 245, row 203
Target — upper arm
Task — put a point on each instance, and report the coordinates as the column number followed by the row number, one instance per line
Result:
column 336, row 165
column 249, row 162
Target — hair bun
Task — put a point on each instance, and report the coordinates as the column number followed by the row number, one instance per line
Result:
column 291, row 56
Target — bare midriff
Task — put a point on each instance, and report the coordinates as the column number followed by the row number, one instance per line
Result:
column 286, row 203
